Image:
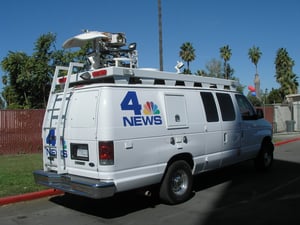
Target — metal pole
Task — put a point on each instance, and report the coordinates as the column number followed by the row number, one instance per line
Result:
column 161, row 67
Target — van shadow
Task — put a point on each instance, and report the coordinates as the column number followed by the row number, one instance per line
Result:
column 247, row 194
column 117, row 206
column 252, row 197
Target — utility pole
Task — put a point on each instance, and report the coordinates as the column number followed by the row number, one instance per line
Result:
column 161, row 67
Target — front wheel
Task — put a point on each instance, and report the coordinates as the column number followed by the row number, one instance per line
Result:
column 264, row 160
column 176, row 186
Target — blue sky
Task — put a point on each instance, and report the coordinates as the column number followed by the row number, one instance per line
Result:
column 208, row 25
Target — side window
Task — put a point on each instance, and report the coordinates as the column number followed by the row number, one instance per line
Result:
column 226, row 106
column 246, row 109
column 209, row 107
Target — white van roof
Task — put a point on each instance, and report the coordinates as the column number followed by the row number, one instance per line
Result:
column 121, row 75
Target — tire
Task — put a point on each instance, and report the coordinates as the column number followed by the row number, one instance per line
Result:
column 264, row 160
column 176, row 186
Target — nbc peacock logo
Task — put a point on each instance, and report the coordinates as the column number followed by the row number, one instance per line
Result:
column 150, row 108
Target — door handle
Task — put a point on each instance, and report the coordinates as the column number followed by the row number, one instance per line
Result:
column 225, row 138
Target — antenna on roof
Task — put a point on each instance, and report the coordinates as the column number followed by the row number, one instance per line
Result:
column 178, row 66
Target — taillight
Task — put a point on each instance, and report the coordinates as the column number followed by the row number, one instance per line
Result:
column 106, row 152
column 62, row 80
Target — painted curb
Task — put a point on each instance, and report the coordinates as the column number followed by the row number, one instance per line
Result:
column 29, row 196
column 287, row 141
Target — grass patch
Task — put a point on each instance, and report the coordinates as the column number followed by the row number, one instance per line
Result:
column 16, row 174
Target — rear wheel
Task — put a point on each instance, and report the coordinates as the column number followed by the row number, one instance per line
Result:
column 176, row 186
column 264, row 160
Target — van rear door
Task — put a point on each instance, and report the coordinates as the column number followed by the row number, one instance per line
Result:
column 81, row 132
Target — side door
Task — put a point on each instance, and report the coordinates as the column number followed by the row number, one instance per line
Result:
column 231, row 131
column 250, row 143
column 212, row 132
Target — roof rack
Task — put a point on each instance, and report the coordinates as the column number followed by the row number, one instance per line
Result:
column 110, row 63
column 123, row 75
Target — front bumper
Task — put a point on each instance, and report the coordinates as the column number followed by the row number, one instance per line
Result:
column 88, row 187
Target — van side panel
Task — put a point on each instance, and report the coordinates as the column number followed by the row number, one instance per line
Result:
column 147, row 132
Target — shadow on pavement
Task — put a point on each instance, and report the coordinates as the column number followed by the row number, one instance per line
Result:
column 249, row 197
column 119, row 205
column 256, row 198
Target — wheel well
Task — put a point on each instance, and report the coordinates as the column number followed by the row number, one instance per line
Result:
column 265, row 141
column 183, row 156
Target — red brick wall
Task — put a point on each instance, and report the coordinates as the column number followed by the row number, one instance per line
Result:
column 269, row 114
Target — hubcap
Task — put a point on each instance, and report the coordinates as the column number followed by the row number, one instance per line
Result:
column 267, row 159
column 179, row 182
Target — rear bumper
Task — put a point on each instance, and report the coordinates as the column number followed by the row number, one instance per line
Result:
column 88, row 187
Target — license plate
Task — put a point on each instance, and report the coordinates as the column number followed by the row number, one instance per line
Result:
column 82, row 153
column 79, row 152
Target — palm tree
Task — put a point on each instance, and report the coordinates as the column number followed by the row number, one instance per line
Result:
column 254, row 54
column 187, row 53
column 284, row 72
column 201, row 73
column 225, row 53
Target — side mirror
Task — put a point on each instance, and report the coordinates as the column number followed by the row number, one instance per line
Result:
column 259, row 113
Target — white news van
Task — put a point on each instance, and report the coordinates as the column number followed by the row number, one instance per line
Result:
column 115, row 127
